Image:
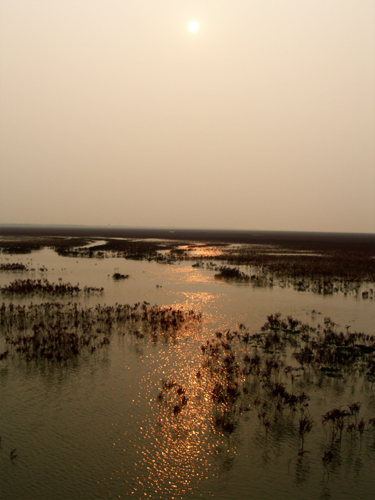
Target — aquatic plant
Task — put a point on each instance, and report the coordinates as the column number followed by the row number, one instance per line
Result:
column 25, row 244
column 337, row 265
column 354, row 408
column 327, row 458
column 124, row 248
column 175, row 399
column 197, row 264
column 232, row 273
column 4, row 355
column 119, row 276
column 336, row 418
column 13, row 266
column 30, row 287
column 61, row 331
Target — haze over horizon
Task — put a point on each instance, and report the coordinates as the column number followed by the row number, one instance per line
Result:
column 261, row 116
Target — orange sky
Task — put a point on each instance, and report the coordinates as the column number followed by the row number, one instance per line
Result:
column 114, row 112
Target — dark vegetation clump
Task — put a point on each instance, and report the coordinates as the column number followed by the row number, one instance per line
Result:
column 240, row 372
column 173, row 395
column 44, row 287
column 59, row 332
column 323, row 349
column 323, row 264
column 119, row 276
column 20, row 249
column 232, row 274
column 328, row 272
column 15, row 266
column 258, row 279
column 241, row 382
column 251, row 372
column 26, row 245
column 128, row 249
column 197, row 264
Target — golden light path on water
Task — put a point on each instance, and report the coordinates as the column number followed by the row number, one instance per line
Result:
column 201, row 250
column 179, row 443
column 185, row 275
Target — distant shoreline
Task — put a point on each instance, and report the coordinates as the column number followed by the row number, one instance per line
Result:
column 324, row 241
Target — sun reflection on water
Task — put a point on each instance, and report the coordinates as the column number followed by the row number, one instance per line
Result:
column 178, row 443
column 197, row 300
column 188, row 274
column 201, row 251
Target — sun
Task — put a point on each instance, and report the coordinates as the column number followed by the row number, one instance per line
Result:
column 193, row 26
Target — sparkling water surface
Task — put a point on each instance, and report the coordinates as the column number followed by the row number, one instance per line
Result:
column 94, row 428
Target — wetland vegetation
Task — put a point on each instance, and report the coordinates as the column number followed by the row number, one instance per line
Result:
column 119, row 276
column 323, row 266
column 29, row 287
column 13, row 266
column 267, row 373
column 59, row 332
column 306, row 387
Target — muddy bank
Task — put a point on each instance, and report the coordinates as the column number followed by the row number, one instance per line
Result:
column 364, row 243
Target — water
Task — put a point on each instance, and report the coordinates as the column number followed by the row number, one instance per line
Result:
column 96, row 429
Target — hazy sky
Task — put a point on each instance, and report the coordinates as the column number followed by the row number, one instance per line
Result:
column 115, row 112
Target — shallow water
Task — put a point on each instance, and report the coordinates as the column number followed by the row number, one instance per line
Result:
column 95, row 428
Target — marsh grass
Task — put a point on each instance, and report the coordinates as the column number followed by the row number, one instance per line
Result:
column 26, row 244
column 28, row 287
column 61, row 331
column 127, row 249
column 321, row 265
column 240, row 372
column 119, row 276
column 13, row 266
column 249, row 372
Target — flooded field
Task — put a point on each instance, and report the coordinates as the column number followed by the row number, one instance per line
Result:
column 169, row 382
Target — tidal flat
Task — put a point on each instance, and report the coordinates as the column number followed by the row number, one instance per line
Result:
column 175, row 365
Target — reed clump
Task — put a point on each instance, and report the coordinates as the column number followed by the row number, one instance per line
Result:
column 59, row 331
column 245, row 372
column 232, row 274
column 44, row 287
column 19, row 244
column 128, row 249
column 119, row 276
column 13, row 266
column 320, row 265
column 240, row 371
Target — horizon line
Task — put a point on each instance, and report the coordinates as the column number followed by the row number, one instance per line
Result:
column 175, row 228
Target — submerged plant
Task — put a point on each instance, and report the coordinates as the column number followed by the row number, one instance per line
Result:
column 30, row 287
column 119, row 276
column 305, row 426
